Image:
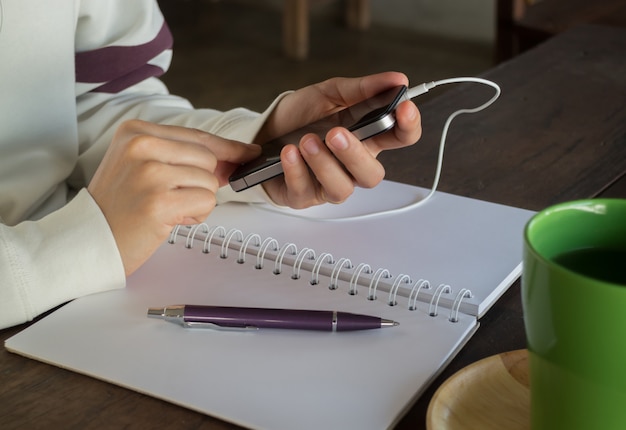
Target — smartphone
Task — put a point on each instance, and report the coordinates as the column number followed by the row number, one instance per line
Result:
column 365, row 119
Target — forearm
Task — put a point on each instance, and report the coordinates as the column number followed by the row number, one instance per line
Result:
column 134, row 43
column 101, row 114
column 67, row 254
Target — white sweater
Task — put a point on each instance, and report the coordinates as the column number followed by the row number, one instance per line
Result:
column 70, row 72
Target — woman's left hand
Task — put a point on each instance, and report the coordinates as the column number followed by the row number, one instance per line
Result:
column 318, row 172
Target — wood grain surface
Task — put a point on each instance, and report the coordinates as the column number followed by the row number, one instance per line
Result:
column 557, row 133
column 491, row 394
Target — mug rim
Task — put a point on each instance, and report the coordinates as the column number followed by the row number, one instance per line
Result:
column 570, row 205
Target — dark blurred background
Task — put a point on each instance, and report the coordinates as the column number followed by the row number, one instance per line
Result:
column 230, row 53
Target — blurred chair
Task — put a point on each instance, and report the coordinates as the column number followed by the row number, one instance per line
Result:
column 522, row 24
column 296, row 24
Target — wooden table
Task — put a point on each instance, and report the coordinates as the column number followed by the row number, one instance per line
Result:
column 557, row 133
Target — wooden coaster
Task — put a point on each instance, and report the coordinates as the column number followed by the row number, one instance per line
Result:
column 492, row 393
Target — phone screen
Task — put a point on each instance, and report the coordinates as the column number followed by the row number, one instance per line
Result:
column 365, row 119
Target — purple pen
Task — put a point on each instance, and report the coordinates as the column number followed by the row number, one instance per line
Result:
column 224, row 317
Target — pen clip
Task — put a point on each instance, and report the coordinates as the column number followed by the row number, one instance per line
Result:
column 213, row 326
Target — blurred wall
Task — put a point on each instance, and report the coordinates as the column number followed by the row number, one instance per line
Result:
column 465, row 19
column 471, row 20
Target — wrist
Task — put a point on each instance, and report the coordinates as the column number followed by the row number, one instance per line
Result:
column 272, row 125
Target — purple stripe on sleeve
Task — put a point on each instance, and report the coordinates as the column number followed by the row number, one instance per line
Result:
column 130, row 79
column 119, row 67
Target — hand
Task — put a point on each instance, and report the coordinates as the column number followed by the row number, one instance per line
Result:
column 154, row 177
column 317, row 173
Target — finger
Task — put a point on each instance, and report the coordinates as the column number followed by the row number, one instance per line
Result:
column 336, row 181
column 224, row 149
column 180, row 206
column 357, row 160
column 342, row 92
column 296, row 188
column 322, row 99
column 169, row 152
column 193, row 205
column 405, row 132
column 300, row 187
column 181, row 192
column 177, row 177
column 140, row 229
column 408, row 127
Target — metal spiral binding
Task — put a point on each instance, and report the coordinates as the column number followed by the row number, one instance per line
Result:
column 352, row 290
column 173, row 234
column 394, row 288
column 334, row 276
column 206, row 247
column 441, row 289
column 229, row 236
column 315, row 273
column 244, row 247
column 218, row 235
column 422, row 283
column 371, row 292
column 192, row 234
column 454, row 311
column 281, row 254
column 260, row 256
column 295, row 274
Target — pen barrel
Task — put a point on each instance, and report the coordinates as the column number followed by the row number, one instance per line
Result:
column 279, row 318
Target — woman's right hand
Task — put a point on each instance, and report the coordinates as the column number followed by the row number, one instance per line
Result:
column 154, row 177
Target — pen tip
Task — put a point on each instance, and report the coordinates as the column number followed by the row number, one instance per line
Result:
column 156, row 312
column 167, row 312
column 389, row 323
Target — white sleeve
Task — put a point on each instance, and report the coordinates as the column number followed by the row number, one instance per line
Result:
column 117, row 43
column 67, row 254
column 101, row 114
column 71, row 251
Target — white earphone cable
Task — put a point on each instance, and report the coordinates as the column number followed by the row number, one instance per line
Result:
column 412, row 93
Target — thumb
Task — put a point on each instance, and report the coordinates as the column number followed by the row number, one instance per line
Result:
column 229, row 159
column 228, row 150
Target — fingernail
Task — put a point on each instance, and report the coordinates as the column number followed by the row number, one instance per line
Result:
column 290, row 155
column 413, row 113
column 310, row 146
column 339, row 141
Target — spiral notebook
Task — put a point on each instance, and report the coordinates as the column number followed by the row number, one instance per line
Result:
column 435, row 269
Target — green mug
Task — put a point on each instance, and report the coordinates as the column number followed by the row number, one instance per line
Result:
column 574, row 301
